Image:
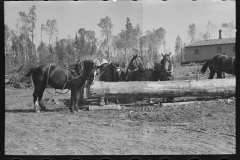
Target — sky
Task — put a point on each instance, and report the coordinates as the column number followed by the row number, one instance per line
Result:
column 174, row 16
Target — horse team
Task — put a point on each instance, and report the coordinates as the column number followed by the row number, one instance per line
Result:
column 76, row 75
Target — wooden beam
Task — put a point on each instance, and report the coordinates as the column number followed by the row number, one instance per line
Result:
column 109, row 106
column 163, row 89
column 177, row 104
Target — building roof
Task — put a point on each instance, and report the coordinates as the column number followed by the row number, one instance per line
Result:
column 212, row 42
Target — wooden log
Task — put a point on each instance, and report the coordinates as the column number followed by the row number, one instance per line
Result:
column 164, row 89
column 109, row 106
column 177, row 104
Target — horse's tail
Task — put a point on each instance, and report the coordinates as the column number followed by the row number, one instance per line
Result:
column 205, row 66
column 30, row 72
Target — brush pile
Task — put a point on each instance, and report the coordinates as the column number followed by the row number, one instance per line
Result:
column 16, row 77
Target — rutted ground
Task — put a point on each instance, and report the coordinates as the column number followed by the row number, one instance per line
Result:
column 205, row 128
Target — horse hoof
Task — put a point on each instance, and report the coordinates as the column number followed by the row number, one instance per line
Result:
column 78, row 110
column 43, row 109
column 37, row 111
column 74, row 111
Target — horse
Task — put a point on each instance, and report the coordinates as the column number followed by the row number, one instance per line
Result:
column 109, row 72
column 165, row 68
column 58, row 78
column 136, row 64
column 87, row 85
column 219, row 64
column 137, row 72
column 89, row 67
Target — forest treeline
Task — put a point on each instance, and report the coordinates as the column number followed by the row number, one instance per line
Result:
column 19, row 46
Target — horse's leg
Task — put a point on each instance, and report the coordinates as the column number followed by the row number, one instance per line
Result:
column 106, row 100
column 219, row 75
column 212, row 73
column 41, row 104
column 223, row 75
column 75, row 103
column 72, row 99
column 117, row 101
column 35, row 100
column 80, row 96
column 72, row 107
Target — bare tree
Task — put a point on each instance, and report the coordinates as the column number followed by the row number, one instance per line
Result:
column 32, row 21
column 192, row 32
column 51, row 28
column 106, row 25
column 210, row 28
column 229, row 29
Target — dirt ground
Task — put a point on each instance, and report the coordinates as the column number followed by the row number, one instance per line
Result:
column 204, row 128
column 207, row 127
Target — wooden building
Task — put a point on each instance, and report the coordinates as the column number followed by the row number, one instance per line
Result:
column 201, row 51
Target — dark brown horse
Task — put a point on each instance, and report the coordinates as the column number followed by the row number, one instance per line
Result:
column 89, row 67
column 219, row 64
column 136, row 71
column 59, row 78
column 109, row 72
column 136, row 64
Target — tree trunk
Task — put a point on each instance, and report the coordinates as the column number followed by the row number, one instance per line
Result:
column 164, row 89
column 181, row 55
column 108, row 56
column 49, row 40
column 126, row 62
column 25, row 56
column 41, row 35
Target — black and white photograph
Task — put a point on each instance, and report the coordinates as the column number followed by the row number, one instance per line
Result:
column 120, row 77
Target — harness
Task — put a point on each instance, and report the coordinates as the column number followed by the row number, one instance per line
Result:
column 66, row 70
column 216, row 68
column 169, row 71
column 105, row 70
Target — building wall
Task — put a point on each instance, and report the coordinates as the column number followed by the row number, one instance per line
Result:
column 207, row 52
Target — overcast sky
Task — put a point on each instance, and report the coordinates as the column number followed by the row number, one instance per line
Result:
column 173, row 16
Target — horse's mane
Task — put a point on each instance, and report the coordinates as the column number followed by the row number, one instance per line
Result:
column 134, row 58
column 115, row 64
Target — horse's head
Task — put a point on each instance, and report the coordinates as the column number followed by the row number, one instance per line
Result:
column 136, row 64
column 166, row 63
column 166, row 68
column 89, row 67
column 115, row 70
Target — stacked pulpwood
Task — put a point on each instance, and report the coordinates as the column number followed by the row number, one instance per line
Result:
column 164, row 89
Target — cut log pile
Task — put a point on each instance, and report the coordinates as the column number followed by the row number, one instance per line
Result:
column 164, row 89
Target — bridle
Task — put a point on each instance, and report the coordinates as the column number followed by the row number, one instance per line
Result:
column 106, row 68
column 170, row 68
